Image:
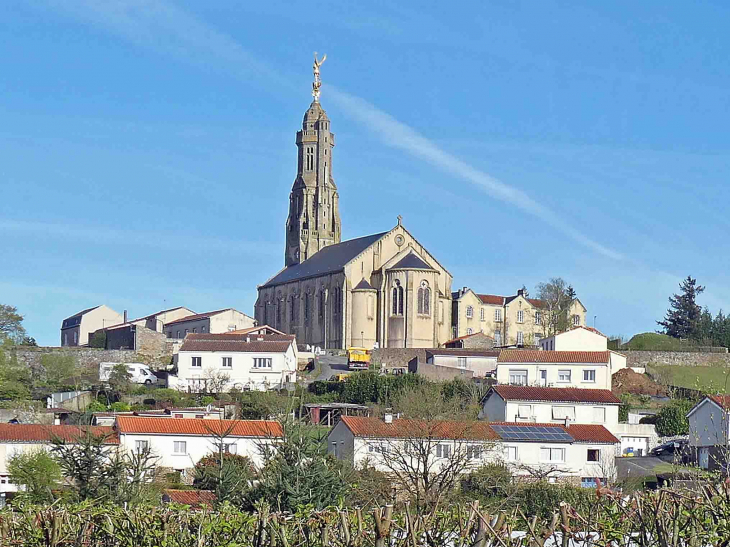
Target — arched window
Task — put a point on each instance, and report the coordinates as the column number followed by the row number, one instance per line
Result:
column 306, row 306
column 279, row 304
column 469, row 312
column 397, row 298
column 469, row 331
column 310, row 158
column 292, row 316
column 424, row 299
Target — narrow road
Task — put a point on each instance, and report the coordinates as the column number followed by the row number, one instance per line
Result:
column 637, row 466
column 331, row 365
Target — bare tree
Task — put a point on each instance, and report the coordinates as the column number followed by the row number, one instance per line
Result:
column 216, row 380
column 540, row 472
column 557, row 297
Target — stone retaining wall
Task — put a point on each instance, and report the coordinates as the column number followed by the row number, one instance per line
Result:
column 682, row 358
column 88, row 358
column 396, row 357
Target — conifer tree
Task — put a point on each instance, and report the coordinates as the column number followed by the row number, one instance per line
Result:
column 683, row 315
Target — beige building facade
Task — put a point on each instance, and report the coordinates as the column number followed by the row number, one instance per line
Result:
column 382, row 290
column 510, row 320
column 75, row 330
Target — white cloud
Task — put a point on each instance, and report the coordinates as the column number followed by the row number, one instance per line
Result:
column 399, row 135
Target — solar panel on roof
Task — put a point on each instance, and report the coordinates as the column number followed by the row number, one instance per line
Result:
column 532, row 433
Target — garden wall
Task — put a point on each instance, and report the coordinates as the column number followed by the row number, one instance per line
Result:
column 681, row 358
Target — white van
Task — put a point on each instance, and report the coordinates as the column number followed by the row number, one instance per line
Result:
column 140, row 373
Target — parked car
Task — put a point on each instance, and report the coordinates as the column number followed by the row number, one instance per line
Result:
column 676, row 451
column 139, row 373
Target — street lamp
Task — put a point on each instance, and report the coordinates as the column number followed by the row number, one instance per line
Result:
column 362, row 339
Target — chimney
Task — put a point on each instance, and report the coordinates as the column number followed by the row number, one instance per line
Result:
column 248, row 339
column 520, row 292
column 388, row 417
column 125, row 316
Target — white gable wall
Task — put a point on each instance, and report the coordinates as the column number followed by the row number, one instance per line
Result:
column 496, row 409
column 708, row 424
column 553, row 371
column 575, row 340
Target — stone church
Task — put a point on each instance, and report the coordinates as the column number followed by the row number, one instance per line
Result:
column 383, row 289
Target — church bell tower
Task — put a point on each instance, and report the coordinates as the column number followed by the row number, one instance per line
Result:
column 314, row 215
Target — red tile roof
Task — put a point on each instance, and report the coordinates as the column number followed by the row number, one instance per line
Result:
column 555, row 394
column 33, row 433
column 237, row 346
column 491, row 299
column 722, row 400
column 559, row 357
column 581, row 433
column 198, row 426
column 194, row 498
column 198, row 316
column 464, row 352
column 402, row 428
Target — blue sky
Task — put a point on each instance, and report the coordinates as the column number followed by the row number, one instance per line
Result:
column 147, row 147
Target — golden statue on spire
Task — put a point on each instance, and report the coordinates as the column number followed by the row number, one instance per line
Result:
column 317, row 82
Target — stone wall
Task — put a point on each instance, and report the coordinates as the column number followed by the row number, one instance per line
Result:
column 396, row 357
column 88, row 358
column 438, row 373
column 682, row 358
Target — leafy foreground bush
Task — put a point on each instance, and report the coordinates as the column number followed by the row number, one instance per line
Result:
column 660, row 518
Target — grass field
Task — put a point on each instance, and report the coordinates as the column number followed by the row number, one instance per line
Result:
column 715, row 378
column 658, row 342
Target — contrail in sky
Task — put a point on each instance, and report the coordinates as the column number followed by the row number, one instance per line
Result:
column 162, row 26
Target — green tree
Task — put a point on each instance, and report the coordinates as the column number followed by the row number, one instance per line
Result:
column 13, row 390
column 683, row 315
column 557, row 297
column 98, row 339
column 298, row 471
column 59, row 369
column 120, row 379
column 11, row 324
column 228, row 475
column 37, row 472
column 672, row 419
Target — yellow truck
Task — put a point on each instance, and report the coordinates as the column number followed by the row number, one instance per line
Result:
column 358, row 359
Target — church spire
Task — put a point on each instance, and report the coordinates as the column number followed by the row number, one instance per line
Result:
column 314, row 214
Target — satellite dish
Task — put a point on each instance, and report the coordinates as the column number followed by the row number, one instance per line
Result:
column 209, row 409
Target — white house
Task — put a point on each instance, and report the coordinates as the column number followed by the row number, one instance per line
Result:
column 480, row 361
column 212, row 322
column 180, row 444
column 20, row 438
column 550, row 405
column 526, row 404
column 576, row 339
column 241, row 361
column 709, row 431
column 584, row 369
column 578, row 453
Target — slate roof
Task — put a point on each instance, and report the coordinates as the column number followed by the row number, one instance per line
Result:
column 363, row 285
column 82, row 312
column 555, row 394
column 198, row 426
column 34, row 433
column 411, row 262
column 558, row 357
column 196, row 499
column 197, row 316
column 330, row 259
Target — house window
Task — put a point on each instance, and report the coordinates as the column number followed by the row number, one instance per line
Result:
column 511, row 453
column 518, row 377
column 563, row 376
column 498, row 315
column 227, row 362
column 552, row 454
column 397, row 299
column 524, row 411
column 424, row 299
column 498, row 338
column 310, row 158
column 141, row 446
column 180, row 447
column 443, row 450
column 179, row 416
column 378, row 448
column 230, row 448
column 469, row 331
column 262, row 362
column 520, row 316
column 195, row 330
column 178, row 334
column 199, row 417
column 481, row 314
column 65, row 339
column 594, row 455
column 469, row 312
column 564, row 412
column 589, row 375
column 576, row 320
column 599, row 415
column 197, row 362
column 473, row 452
column 538, row 318
column 520, row 338
column 462, row 362
column 589, row 482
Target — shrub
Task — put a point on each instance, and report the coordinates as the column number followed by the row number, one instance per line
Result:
column 166, row 395
column 95, row 406
column 119, row 406
column 14, row 390
column 672, row 419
